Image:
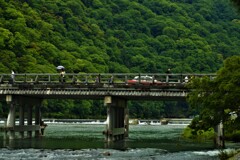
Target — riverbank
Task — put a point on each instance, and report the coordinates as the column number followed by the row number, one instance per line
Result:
column 236, row 156
column 165, row 121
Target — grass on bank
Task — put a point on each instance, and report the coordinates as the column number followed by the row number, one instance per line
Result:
column 202, row 136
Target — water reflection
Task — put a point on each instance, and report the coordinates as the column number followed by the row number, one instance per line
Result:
column 73, row 136
column 84, row 141
column 119, row 145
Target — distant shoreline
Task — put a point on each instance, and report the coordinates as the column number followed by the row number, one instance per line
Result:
column 164, row 121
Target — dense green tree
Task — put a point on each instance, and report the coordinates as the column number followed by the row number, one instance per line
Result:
column 117, row 35
column 82, row 109
column 217, row 98
column 58, row 108
column 8, row 59
column 170, row 32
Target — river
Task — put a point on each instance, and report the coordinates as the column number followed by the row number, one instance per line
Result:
column 86, row 141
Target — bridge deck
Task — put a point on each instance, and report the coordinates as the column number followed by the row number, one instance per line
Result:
column 97, row 86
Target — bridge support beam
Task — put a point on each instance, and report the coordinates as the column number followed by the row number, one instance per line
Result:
column 29, row 120
column 126, row 121
column 117, row 119
column 11, row 116
column 28, row 104
column 38, row 119
column 21, row 119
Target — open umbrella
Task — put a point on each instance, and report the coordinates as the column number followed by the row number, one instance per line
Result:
column 60, row 67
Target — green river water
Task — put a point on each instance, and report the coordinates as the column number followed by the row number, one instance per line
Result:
column 86, row 141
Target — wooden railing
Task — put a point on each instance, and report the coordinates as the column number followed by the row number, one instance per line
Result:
column 93, row 78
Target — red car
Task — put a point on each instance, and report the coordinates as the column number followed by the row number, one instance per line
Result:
column 144, row 80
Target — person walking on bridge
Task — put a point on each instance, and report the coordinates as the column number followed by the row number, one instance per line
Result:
column 168, row 72
column 111, row 80
column 62, row 75
column 12, row 77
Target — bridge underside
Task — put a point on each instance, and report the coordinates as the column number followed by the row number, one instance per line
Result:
column 65, row 92
column 29, row 97
column 116, row 127
column 131, row 95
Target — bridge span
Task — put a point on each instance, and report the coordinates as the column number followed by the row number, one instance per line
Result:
column 150, row 86
column 25, row 92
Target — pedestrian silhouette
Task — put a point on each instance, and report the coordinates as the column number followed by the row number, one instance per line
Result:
column 168, row 72
column 62, row 76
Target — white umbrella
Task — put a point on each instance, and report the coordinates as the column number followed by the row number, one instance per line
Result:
column 60, row 67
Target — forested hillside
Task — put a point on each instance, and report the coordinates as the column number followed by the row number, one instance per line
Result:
column 116, row 36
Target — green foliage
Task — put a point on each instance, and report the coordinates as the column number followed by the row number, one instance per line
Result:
column 217, row 100
column 147, row 110
column 233, row 136
column 82, row 109
column 117, row 36
column 236, row 3
column 224, row 155
column 199, row 135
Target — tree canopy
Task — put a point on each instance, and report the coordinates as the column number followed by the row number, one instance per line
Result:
column 217, row 99
column 96, row 34
column 117, row 36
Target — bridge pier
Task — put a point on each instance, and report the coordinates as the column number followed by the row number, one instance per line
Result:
column 29, row 120
column 23, row 103
column 11, row 117
column 38, row 119
column 117, row 119
column 21, row 119
column 126, row 121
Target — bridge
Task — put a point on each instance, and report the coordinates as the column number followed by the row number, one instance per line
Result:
column 25, row 92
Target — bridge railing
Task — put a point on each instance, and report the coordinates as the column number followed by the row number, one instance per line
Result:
column 96, row 78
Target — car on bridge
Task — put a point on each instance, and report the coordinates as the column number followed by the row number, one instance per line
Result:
column 144, row 80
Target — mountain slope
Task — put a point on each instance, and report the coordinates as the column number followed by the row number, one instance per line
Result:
column 117, row 35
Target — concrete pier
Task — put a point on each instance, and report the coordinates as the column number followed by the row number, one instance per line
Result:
column 117, row 119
